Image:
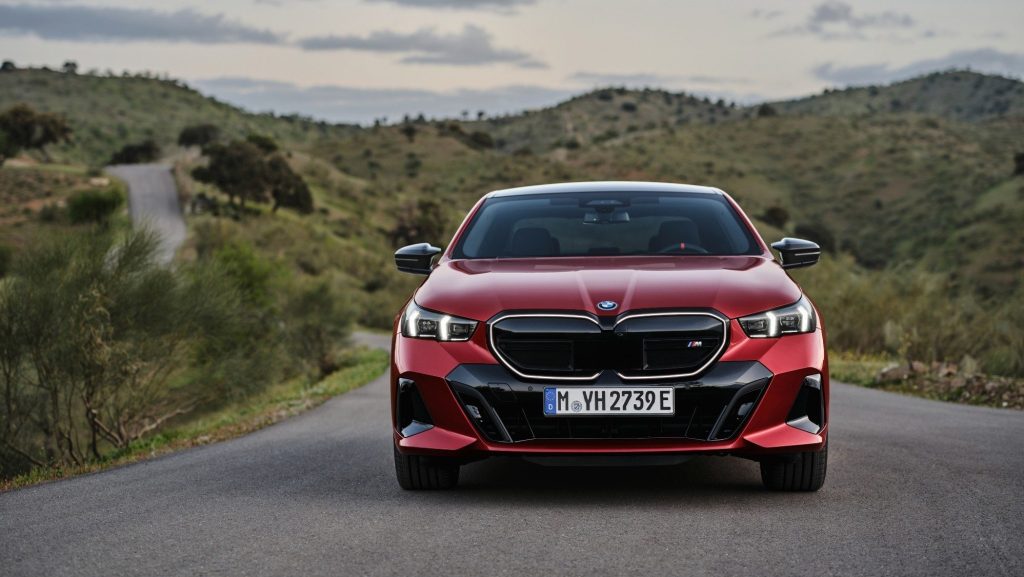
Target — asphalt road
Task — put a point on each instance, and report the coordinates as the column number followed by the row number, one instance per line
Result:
column 153, row 202
column 914, row 487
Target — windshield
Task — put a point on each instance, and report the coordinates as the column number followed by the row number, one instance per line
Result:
column 605, row 224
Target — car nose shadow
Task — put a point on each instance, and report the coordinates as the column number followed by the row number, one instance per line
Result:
column 695, row 479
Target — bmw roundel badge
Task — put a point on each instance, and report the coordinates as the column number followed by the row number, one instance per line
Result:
column 607, row 305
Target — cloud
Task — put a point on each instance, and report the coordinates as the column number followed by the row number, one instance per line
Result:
column 835, row 19
column 470, row 47
column 986, row 60
column 503, row 6
column 363, row 105
column 760, row 14
column 108, row 24
column 651, row 80
column 612, row 79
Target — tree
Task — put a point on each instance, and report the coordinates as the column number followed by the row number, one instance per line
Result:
column 766, row 110
column 8, row 66
column 286, row 187
column 143, row 152
column 409, row 131
column 1018, row 162
column 22, row 128
column 244, row 170
column 263, row 142
column 237, row 168
column 198, row 135
column 69, row 67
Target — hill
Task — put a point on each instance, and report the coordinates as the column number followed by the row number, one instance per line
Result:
column 958, row 95
column 924, row 199
column 108, row 112
column 603, row 115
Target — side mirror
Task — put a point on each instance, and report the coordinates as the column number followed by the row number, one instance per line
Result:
column 796, row 252
column 416, row 258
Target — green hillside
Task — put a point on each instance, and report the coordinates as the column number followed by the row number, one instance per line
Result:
column 601, row 116
column 108, row 112
column 959, row 95
column 917, row 205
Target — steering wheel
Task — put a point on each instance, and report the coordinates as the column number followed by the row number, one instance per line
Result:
column 682, row 248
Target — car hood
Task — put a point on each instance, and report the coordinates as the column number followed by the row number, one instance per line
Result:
column 734, row 286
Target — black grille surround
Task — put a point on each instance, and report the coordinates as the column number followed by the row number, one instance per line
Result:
column 506, row 409
column 644, row 345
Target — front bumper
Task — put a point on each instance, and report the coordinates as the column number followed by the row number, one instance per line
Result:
column 778, row 376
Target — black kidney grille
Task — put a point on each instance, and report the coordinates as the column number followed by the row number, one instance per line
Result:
column 639, row 346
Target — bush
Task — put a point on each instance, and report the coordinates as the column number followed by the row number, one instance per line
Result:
column 766, row 110
column 317, row 320
column 6, row 256
column 816, row 232
column 263, row 142
column 92, row 334
column 94, row 205
column 199, row 135
column 423, row 221
column 776, row 216
column 146, row 151
column 914, row 315
column 480, row 139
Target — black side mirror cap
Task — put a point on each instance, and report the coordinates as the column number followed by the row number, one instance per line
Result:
column 797, row 252
column 416, row 258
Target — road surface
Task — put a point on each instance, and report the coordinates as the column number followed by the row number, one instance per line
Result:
column 914, row 487
column 153, row 202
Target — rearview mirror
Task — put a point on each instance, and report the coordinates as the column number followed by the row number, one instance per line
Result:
column 416, row 258
column 796, row 252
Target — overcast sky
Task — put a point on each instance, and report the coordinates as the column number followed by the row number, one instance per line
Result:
column 354, row 60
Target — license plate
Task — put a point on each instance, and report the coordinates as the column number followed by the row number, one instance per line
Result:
column 581, row 401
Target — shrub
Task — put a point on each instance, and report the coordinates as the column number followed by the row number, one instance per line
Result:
column 146, row 151
column 766, row 110
column 776, row 216
column 423, row 221
column 198, row 135
column 6, row 255
column 816, row 232
column 94, row 205
column 94, row 326
column 263, row 142
column 480, row 139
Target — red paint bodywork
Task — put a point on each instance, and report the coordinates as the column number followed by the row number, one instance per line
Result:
column 735, row 286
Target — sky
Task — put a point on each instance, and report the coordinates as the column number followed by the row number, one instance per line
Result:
column 358, row 60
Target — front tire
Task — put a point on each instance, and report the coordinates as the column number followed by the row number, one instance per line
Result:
column 805, row 472
column 425, row 473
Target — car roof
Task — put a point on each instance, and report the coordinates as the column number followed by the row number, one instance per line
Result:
column 603, row 186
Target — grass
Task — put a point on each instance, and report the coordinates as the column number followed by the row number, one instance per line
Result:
column 272, row 405
column 856, row 369
column 953, row 386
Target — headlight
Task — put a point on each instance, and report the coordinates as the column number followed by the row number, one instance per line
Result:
column 789, row 320
column 420, row 323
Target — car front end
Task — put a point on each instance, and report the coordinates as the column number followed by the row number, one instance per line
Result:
column 654, row 357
